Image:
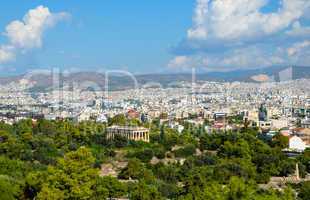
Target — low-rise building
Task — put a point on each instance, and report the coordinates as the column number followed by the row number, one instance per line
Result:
column 305, row 123
column 296, row 143
column 279, row 123
column 265, row 125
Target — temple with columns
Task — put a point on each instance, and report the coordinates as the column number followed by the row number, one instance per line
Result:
column 131, row 133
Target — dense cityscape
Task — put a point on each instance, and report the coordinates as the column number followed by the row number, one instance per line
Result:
column 287, row 103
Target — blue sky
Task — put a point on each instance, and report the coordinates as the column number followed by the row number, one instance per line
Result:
column 112, row 34
column 153, row 36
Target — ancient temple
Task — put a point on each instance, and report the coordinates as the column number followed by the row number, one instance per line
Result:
column 129, row 132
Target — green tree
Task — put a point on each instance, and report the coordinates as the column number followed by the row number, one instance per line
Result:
column 240, row 149
column 305, row 159
column 304, row 192
column 142, row 191
column 288, row 194
column 13, row 168
column 51, row 193
column 186, row 151
column 162, row 133
column 132, row 170
column 109, row 187
column 210, row 191
column 167, row 173
column 167, row 190
column 210, row 142
column 238, row 189
column 226, row 168
column 280, row 141
column 118, row 120
column 9, row 188
column 72, row 178
column 145, row 155
column 120, row 141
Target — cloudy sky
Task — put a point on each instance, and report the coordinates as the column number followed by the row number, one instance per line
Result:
column 153, row 36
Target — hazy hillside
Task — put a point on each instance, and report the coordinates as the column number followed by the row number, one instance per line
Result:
column 120, row 82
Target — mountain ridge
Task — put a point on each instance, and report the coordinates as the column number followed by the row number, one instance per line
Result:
column 120, row 82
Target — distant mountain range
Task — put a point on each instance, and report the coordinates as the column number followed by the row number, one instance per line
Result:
column 43, row 81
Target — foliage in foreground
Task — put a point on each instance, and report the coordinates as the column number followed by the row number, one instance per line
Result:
column 54, row 160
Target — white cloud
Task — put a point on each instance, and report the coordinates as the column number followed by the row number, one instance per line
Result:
column 298, row 30
column 232, row 34
column 239, row 19
column 180, row 62
column 238, row 58
column 27, row 34
column 6, row 54
column 201, row 11
column 244, row 57
column 298, row 47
